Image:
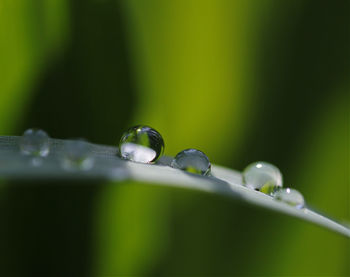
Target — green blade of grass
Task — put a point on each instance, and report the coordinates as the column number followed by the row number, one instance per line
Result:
column 109, row 167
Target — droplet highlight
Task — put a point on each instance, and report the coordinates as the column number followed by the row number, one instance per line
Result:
column 77, row 155
column 193, row 161
column 260, row 174
column 35, row 142
column 141, row 144
column 291, row 197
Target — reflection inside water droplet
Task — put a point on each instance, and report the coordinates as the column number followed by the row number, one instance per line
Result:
column 193, row 161
column 136, row 152
column 291, row 197
column 141, row 144
column 35, row 142
column 77, row 155
column 269, row 189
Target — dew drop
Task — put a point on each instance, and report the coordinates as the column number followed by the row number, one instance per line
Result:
column 141, row 144
column 291, row 197
column 77, row 155
column 35, row 142
column 193, row 161
column 260, row 174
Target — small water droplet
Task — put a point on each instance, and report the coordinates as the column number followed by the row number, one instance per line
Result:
column 259, row 174
column 35, row 142
column 291, row 197
column 77, row 155
column 141, row 144
column 193, row 161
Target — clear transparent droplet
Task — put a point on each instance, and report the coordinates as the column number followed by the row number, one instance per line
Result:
column 35, row 142
column 193, row 161
column 77, row 155
column 260, row 174
column 141, row 144
column 291, row 197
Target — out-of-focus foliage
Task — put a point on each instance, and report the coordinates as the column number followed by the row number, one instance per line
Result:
column 240, row 80
column 195, row 65
column 31, row 34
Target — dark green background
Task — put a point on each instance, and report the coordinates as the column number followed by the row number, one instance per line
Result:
column 240, row 80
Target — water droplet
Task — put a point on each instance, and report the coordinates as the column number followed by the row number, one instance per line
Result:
column 141, row 144
column 291, row 197
column 260, row 174
column 192, row 160
column 35, row 142
column 77, row 155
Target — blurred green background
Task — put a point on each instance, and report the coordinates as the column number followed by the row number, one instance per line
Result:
column 241, row 80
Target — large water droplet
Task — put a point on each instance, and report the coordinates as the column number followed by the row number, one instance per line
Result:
column 141, row 144
column 77, row 155
column 192, row 160
column 291, row 197
column 262, row 174
column 35, row 142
